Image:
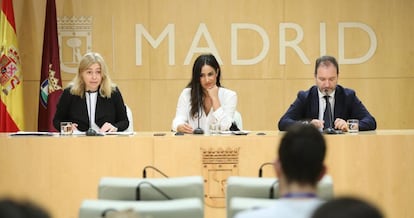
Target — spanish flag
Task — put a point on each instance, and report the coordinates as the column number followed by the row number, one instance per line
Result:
column 11, row 78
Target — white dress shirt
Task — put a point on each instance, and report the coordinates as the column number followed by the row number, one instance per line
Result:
column 284, row 208
column 223, row 115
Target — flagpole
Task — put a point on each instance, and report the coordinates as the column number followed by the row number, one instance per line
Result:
column 50, row 77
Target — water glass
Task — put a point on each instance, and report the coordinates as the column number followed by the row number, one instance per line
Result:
column 66, row 128
column 214, row 128
column 353, row 125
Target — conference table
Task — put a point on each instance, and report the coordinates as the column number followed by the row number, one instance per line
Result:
column 59, row 172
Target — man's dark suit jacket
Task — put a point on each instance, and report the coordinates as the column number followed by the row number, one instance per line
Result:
column 347, row 106
column 73, row 108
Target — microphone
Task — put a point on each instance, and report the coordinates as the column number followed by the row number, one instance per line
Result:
column 144, row 171
column 90, row 131
column 331, row 130
column 261, row 168
column 272, row 189
column 138, row 190
column 198, row 130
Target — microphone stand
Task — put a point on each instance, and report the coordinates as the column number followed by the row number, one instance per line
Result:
column 106, row 211
column 144, row 171
column 138, row 190
column 330, row 129
column 90, row 131
column 198, row 130
column 272, row 189
column 261, row 168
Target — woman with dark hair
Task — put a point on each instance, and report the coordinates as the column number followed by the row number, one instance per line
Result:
column 204, row 101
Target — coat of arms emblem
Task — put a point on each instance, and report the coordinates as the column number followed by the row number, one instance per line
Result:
column 218, row 164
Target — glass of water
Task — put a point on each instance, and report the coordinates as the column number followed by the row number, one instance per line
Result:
column 214, row 128
column 66, row 128
column 353, row 125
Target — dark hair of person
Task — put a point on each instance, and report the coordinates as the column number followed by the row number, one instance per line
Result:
column 15, row 209
column 326, row 60
column 301, row 153
column 197, row 94
column 347, row 207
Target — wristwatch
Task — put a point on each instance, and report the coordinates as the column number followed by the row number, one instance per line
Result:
column 305, row 122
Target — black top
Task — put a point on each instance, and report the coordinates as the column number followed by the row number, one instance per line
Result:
column 73, row 108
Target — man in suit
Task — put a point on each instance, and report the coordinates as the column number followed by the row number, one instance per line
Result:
column 310, row 106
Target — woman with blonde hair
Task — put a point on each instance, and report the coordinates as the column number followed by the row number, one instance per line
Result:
column 92, row 100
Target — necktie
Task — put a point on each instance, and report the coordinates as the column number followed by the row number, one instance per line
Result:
column 327, row 115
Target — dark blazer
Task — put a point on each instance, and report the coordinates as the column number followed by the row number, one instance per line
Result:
column 73, row 108
column 347, row 106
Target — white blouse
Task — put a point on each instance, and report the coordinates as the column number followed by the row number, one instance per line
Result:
column 223, row 115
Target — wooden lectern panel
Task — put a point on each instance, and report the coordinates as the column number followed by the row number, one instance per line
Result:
column 60, row 172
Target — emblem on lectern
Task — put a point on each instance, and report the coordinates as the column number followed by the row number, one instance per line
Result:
column 218, row 164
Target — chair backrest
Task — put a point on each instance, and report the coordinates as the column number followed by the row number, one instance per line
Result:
column 238, row 120
column 116, row 188
column 244, row 203
column 130, row 118
column 177, row 208
column 264, row 188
